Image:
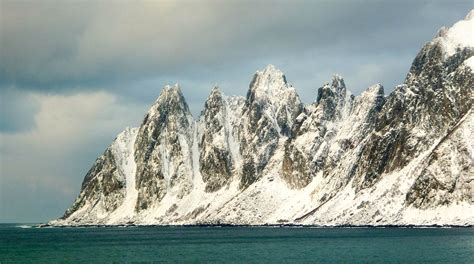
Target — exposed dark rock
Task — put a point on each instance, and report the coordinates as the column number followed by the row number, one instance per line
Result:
column 163, row 138
column 216, row 165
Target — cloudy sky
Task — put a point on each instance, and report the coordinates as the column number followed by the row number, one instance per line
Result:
column 74, row 73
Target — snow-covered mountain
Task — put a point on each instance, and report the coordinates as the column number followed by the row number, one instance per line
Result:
column 402, row 159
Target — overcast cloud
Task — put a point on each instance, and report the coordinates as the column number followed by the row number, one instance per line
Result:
column 74, row 74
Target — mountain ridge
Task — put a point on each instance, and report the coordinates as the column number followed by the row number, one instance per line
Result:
column 267, row 158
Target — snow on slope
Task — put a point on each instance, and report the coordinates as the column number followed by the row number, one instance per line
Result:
column 460, row 35
column 109, row 191
column 385, row 203
column 124, row 152
column 268, row 159
column 470, row 62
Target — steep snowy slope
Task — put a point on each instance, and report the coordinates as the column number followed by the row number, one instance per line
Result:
column 402, row 159
column 437, row 92
column 109, row 186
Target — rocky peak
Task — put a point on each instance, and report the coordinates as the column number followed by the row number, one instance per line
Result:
column 171, row 99
column 333, row 99
column 335, row 89
column 215, row 91
column 162, row 146
column 267, row 83
column 214, row 111
column 373, row 93
column 371, row 99
column 365, row 110
column 270, row 109
column 338, row 84
column 214, row 99
column 270, row 93
column 216, row 141
column 269, row 86
column 171, row 92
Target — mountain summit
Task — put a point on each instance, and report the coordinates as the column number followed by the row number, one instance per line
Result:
column 402, row 159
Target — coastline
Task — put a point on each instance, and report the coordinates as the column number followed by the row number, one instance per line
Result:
column 255, row 226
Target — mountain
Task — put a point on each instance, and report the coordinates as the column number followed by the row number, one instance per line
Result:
column 402, row 159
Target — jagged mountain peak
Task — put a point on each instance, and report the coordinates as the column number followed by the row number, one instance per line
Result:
column 270, row 89
column 271, row 75
column 270, row 83
column 171, row 99
column 215, row 96
column 218, row 155
column 375, row 90
column 171, row 91
column 370, row 102
column 333, row 99
column 338, row 82
column 215, row 100
column 335, row 88
column 215, row 92
column 270, row 93
column 272, row 71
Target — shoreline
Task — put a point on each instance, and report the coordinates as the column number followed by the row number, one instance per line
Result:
column 252, row 226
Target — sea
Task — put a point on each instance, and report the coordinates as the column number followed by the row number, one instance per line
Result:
column 20, row 243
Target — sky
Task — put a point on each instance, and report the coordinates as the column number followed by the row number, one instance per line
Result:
column 73, row 74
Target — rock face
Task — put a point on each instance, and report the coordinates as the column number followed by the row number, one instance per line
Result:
column 163, row 149
column 268, row 114
column 371, row 159
column 447, row 174
column 109, row 184
column 219, row 156
column 436, row 94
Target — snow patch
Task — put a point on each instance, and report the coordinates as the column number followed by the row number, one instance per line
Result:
column 470, row 62
column 460, row 35
column 124, row 153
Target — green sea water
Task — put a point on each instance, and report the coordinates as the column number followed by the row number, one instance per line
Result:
column 19, row 244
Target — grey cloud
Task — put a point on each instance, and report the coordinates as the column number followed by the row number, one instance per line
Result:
column 54, row 48
column 17, row 111
column 40, row 170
